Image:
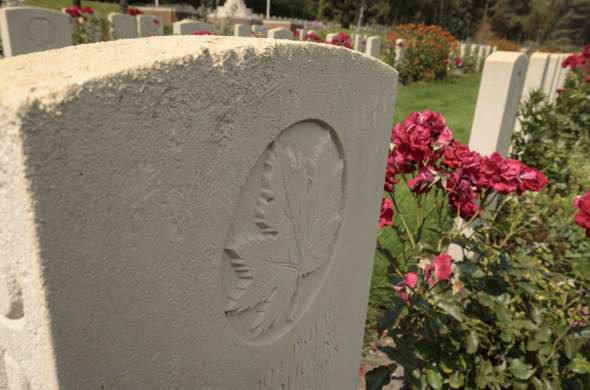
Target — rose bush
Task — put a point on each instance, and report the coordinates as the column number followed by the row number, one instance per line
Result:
column 341, row 39
column 426, row 49
column 476, row 305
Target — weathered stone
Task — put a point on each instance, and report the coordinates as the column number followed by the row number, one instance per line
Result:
column 177, row 209
column 552, row 72
column 374, row 46
column 536, row 73
column 497, row 103
column 559, row 77
column 123, row 26
column 188, row 27
column 259, row 30
column 358, row 43
column 280, row 33
column 30, row 29
column 241, row 30
column 149, row 25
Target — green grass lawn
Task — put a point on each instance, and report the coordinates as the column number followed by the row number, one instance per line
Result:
column 102, row 9
column 455, row 98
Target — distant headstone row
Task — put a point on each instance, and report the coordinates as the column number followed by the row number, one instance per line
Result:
column 508, row 79
column 30, row 29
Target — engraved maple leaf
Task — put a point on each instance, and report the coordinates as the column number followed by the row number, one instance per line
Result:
column 297, row 218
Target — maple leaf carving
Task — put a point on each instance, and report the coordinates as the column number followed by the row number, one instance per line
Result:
column 297, row 218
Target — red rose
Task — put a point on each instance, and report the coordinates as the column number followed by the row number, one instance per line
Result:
column 390, row 173
column 462, row 197
column 574, row 61
column 341, row 40
column 73, row 11
column 531, row 179
column 458, row 62
column 582, row 203
column 411, row 279
column 87, row 10
column 440, row 269
column 386, row 217
column 421, row 184
column 203, row 32
column 312, row 37
column 586, row 51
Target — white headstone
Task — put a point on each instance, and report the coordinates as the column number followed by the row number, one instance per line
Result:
column 216, row 233
column 481, row 56
column 536, row 73
column 259, row 30
column 497, row 102
column 241, row 30
column 280, row 33
column 188, row 27
column 374, row 46
column 149, row 25
column 463, row 51
column 552, row 72
column 358, row 43
column 559, row 78
column 123, row 26
column 29, row 29
column 400, row 50
column 302, row 34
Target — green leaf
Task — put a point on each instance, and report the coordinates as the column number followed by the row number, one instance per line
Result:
column 471, row 342
column 451, row 309
column 435, row 379
column 389, row 317
column 520, row 369
column 580, row 365
column 533, row 345
column 570, row 347
column 503, row 314
column 457, row 380
column 377, row 378
column 543, row 334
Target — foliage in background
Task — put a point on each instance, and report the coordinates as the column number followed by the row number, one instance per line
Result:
column 426, row 51
column 504, row 45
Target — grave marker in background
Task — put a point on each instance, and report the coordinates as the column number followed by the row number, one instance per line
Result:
column 497, row 102
column 374, row 46
column 188, row 27
column 153, row 247
column 149, row 26
column 29, row 29
column 280, row 33
column 123, row 26
column 241, row 30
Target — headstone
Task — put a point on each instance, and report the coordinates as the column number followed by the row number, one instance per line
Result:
column 497, row 102
column 464, row 50
column 217, row 233
column 29, row 29
column 123, row 26
column 241, row 30
column 559, row 78
column 259, row 30
column 536, row 73
column 302, row 34
column 149, row 25
column 374, row 46
column 552, row 71
column 481, row 56
column 188, row 27
column 358, row 43
column 400, row 50
column 280, row 33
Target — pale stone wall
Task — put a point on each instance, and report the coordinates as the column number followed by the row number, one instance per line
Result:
column 152, row 194
column 29, row 29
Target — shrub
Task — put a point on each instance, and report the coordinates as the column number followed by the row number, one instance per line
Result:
column 501, row 312
column 505, row 45
column 426, row 49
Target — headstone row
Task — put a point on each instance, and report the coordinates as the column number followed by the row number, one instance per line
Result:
column 30, row 29
column 182, row 215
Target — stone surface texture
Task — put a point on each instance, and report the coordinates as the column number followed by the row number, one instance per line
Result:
column 123, row 26
column 188, row 27
column 29, row 29
column 374, row 46
column 497, row 102
column 189, row 212
column 552, row 72
column 241, row 30
column 149, row 26
column 280, row 33
column 232, row 9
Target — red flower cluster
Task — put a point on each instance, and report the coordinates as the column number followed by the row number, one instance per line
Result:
column 341, row 40
column 578, row 60
column 311, row 36
column 386, row 216
column 134, row 11
column 423, row 145
column 582, row 203
column 438, row 270
column 77, row 12
column 458, row 62
column 203, row 32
